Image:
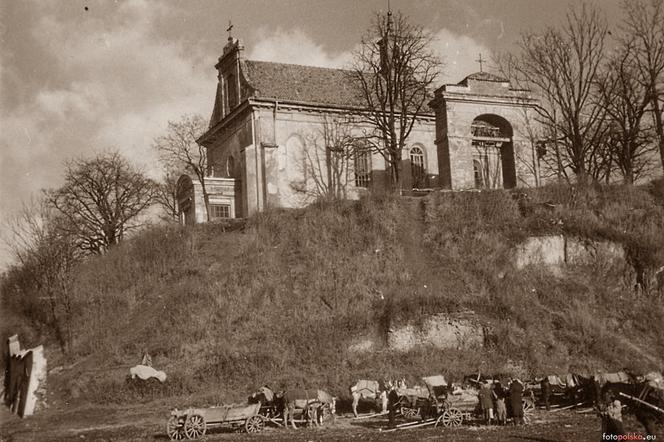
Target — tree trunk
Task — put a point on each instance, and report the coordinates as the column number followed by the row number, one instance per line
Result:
column 659, row 127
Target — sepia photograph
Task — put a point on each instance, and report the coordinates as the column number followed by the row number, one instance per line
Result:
column 332, row 220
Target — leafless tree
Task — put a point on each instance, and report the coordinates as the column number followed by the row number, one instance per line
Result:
column 394, row 69
column 562, row 65
column 327, row 157
column 102, row 199
column 166, row 196
column 644, row 31
column 179, row 150
column 625, row 99
column 41, row 281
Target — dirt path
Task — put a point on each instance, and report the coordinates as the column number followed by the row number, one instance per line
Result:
column 147, row 423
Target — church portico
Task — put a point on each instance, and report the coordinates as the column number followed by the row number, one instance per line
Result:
column 481, row 136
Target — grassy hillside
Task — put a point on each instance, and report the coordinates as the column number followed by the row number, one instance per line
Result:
column 279, row 299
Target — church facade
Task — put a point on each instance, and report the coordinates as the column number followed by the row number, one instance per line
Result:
column 274, row 127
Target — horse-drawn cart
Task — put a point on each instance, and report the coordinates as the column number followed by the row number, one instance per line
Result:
column 192, row 423
column 436, row 405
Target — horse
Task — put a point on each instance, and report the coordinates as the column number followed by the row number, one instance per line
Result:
column 313, row 404
column 365, row 389
column 643, row 391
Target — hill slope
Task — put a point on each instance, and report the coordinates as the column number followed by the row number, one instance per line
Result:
column 280, row 299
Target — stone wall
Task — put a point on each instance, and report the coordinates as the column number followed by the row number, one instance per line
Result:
column 439, row 331
column 556, row 250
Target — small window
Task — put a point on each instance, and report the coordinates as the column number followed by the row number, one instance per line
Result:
column 362, row 163
column 219, row 211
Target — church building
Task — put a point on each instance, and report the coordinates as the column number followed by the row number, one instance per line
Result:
column 269, row 139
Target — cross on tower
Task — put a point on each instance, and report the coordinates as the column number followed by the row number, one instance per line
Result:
column 480, row 61
column 229, row 29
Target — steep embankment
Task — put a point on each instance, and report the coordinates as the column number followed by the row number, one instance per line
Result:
column 280, row 299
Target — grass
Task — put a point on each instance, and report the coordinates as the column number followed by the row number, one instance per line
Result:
column 278, row 300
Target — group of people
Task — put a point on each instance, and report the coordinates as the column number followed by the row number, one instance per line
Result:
column 493, row 396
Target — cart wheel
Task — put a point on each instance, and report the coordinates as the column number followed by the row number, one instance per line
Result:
column 326, row 413
column 408, row 412
column 528, row 406
column 194, row 426
column 254, row 424
column 174, row 428
column 450, row 418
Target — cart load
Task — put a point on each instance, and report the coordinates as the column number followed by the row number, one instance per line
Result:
column 192, row 423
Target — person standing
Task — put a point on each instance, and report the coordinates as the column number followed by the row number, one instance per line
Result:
column 516, row 401
column 392, row 404
column 546, row 391
column 613, row 416
column 501, row 408
column 486, row 401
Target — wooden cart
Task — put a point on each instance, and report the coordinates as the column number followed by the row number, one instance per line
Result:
column 192, row 423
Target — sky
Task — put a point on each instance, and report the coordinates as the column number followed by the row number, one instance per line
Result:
column 81, row 77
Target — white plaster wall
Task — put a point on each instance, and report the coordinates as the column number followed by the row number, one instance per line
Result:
column 286, row 185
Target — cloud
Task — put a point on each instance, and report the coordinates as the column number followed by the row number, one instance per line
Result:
column 296, row 47
column 458, row 53
column 111, row 83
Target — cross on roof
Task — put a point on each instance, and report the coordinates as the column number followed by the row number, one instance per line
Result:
column 480, row 61
column 229, row 29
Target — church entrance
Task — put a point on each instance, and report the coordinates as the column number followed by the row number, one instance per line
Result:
column 492, row 153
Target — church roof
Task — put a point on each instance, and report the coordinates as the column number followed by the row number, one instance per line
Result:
column 302, row 84
column 483, row 76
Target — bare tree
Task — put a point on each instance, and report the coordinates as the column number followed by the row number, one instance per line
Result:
column 179, row 150
column 327, row 157
column 644, row 32
column 563, row 65
column 394, row 69
column 166, row 196
column 41, row 282
column 101, row 200
column 625, row 99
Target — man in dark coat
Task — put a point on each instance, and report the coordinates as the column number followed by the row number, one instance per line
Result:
column 546, row 391
column 392, row 405
column 516, row 398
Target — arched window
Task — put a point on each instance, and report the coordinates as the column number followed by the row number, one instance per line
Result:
column 417, row 169
column 294, row 160
column 362, row 166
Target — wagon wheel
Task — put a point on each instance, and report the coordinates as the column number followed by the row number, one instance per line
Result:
column 254, row 424
column 326, row 413
column 194, row 426
column 528, row 406
column 174, row 429
column 452, row 417
column 408, row 412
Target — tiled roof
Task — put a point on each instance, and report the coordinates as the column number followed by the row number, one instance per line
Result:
column 482, row 76
column 302, row 84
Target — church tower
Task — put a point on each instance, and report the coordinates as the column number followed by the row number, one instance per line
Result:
column 228, row 75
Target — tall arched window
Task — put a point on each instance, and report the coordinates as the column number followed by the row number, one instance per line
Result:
column 417, row 167
column 362, row 166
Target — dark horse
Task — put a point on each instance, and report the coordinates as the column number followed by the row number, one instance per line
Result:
column 643, row 391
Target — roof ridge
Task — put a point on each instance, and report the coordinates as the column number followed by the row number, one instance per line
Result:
column 308, row 66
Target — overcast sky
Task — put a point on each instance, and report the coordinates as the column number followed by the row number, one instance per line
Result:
column 78, row 77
